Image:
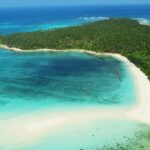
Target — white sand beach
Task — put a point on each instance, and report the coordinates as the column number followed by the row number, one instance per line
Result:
column 32, row 126
column 141, row 110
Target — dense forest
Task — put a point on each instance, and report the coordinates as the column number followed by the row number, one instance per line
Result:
column 122, row 35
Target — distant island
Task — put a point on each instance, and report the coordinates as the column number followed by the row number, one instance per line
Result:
column 121, row 35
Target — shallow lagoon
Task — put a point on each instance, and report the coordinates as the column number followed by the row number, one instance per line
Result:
column 63, row 83
column 64, row 78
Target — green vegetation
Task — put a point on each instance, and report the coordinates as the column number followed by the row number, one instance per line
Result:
column 124, row 36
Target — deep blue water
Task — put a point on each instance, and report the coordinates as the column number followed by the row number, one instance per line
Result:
column 37, row 18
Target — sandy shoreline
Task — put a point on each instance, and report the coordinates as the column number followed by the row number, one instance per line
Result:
column 141, row 110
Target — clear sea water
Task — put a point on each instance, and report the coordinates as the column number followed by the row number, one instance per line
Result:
column 61, row 77
column 35, row 87
column 42, row 18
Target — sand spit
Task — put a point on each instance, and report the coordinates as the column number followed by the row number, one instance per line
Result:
column 30, row 128
column 141, row 110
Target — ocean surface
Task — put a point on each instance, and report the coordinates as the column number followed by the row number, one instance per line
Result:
column 43, row 18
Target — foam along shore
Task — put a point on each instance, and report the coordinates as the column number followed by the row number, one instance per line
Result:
column 141, row 110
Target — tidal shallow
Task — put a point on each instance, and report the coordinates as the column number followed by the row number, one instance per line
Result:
column 54, row 100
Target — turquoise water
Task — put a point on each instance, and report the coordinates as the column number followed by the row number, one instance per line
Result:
column 46, row 87
column 58, row 78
